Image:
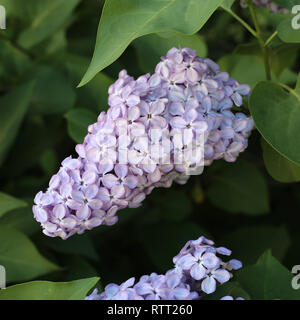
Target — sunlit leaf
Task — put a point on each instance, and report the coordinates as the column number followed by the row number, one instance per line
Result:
column 46, row 290
column 122, row 21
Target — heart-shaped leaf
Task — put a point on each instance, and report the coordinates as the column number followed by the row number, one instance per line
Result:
column 287, row 32
column 279, row 167
column 267, row 280
column 276, row 113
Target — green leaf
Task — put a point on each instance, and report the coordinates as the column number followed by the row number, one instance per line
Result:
column 78, row 122
column 172, row 237
column 46, row 290
column 284, row 57
column 266, row 237
column 169, row 205
column 122, row 21
column 57, row 43
column 54, row 93
column 21, row 219
column 279, row 167
column 231, row 288
column 46, row 17
column 240, row 188
column 151, row 47
column 14, row 61
column 20, row 257
column 276, row 114
column 227, row 4
column 238, row 67
column 13, row 107
column 268, row 280
column 95, row 93
column 78, row 268
column 286, row 32
column 8, row 203
column 49, row 162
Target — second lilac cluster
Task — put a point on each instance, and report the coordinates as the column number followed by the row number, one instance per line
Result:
column 272, row 6
column 159, row 128
column 197, row 270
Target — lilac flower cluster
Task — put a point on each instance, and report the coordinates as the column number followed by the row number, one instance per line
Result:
column 197, row 270
column 272, row 6
column 159, row 128
column 231, row 298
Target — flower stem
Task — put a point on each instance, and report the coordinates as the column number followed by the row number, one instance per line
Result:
column 271, row 38
column 260, row 40
column 17, row 46
column 290, row 90
column 242, row 22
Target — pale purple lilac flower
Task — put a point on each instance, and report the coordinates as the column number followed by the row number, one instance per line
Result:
column 197, row 271
column 157, row 130
column 199, row 262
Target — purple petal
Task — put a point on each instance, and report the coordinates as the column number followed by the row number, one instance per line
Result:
column 83, row 213
column 221, row 275
column 208, row 285
column 110, row 180
column 95, row 204
column 59, row 211
column 192, row 75
column 68, row 223
column 198, row 271
column 121, row 170
column 89, row 177
column 157, row 108
column 91, row 191
column 133, row 113
column 178, row 122
column 118, row 191
column 131, row 181
column 105, row 166
column 181, row 293
column 133, row 100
